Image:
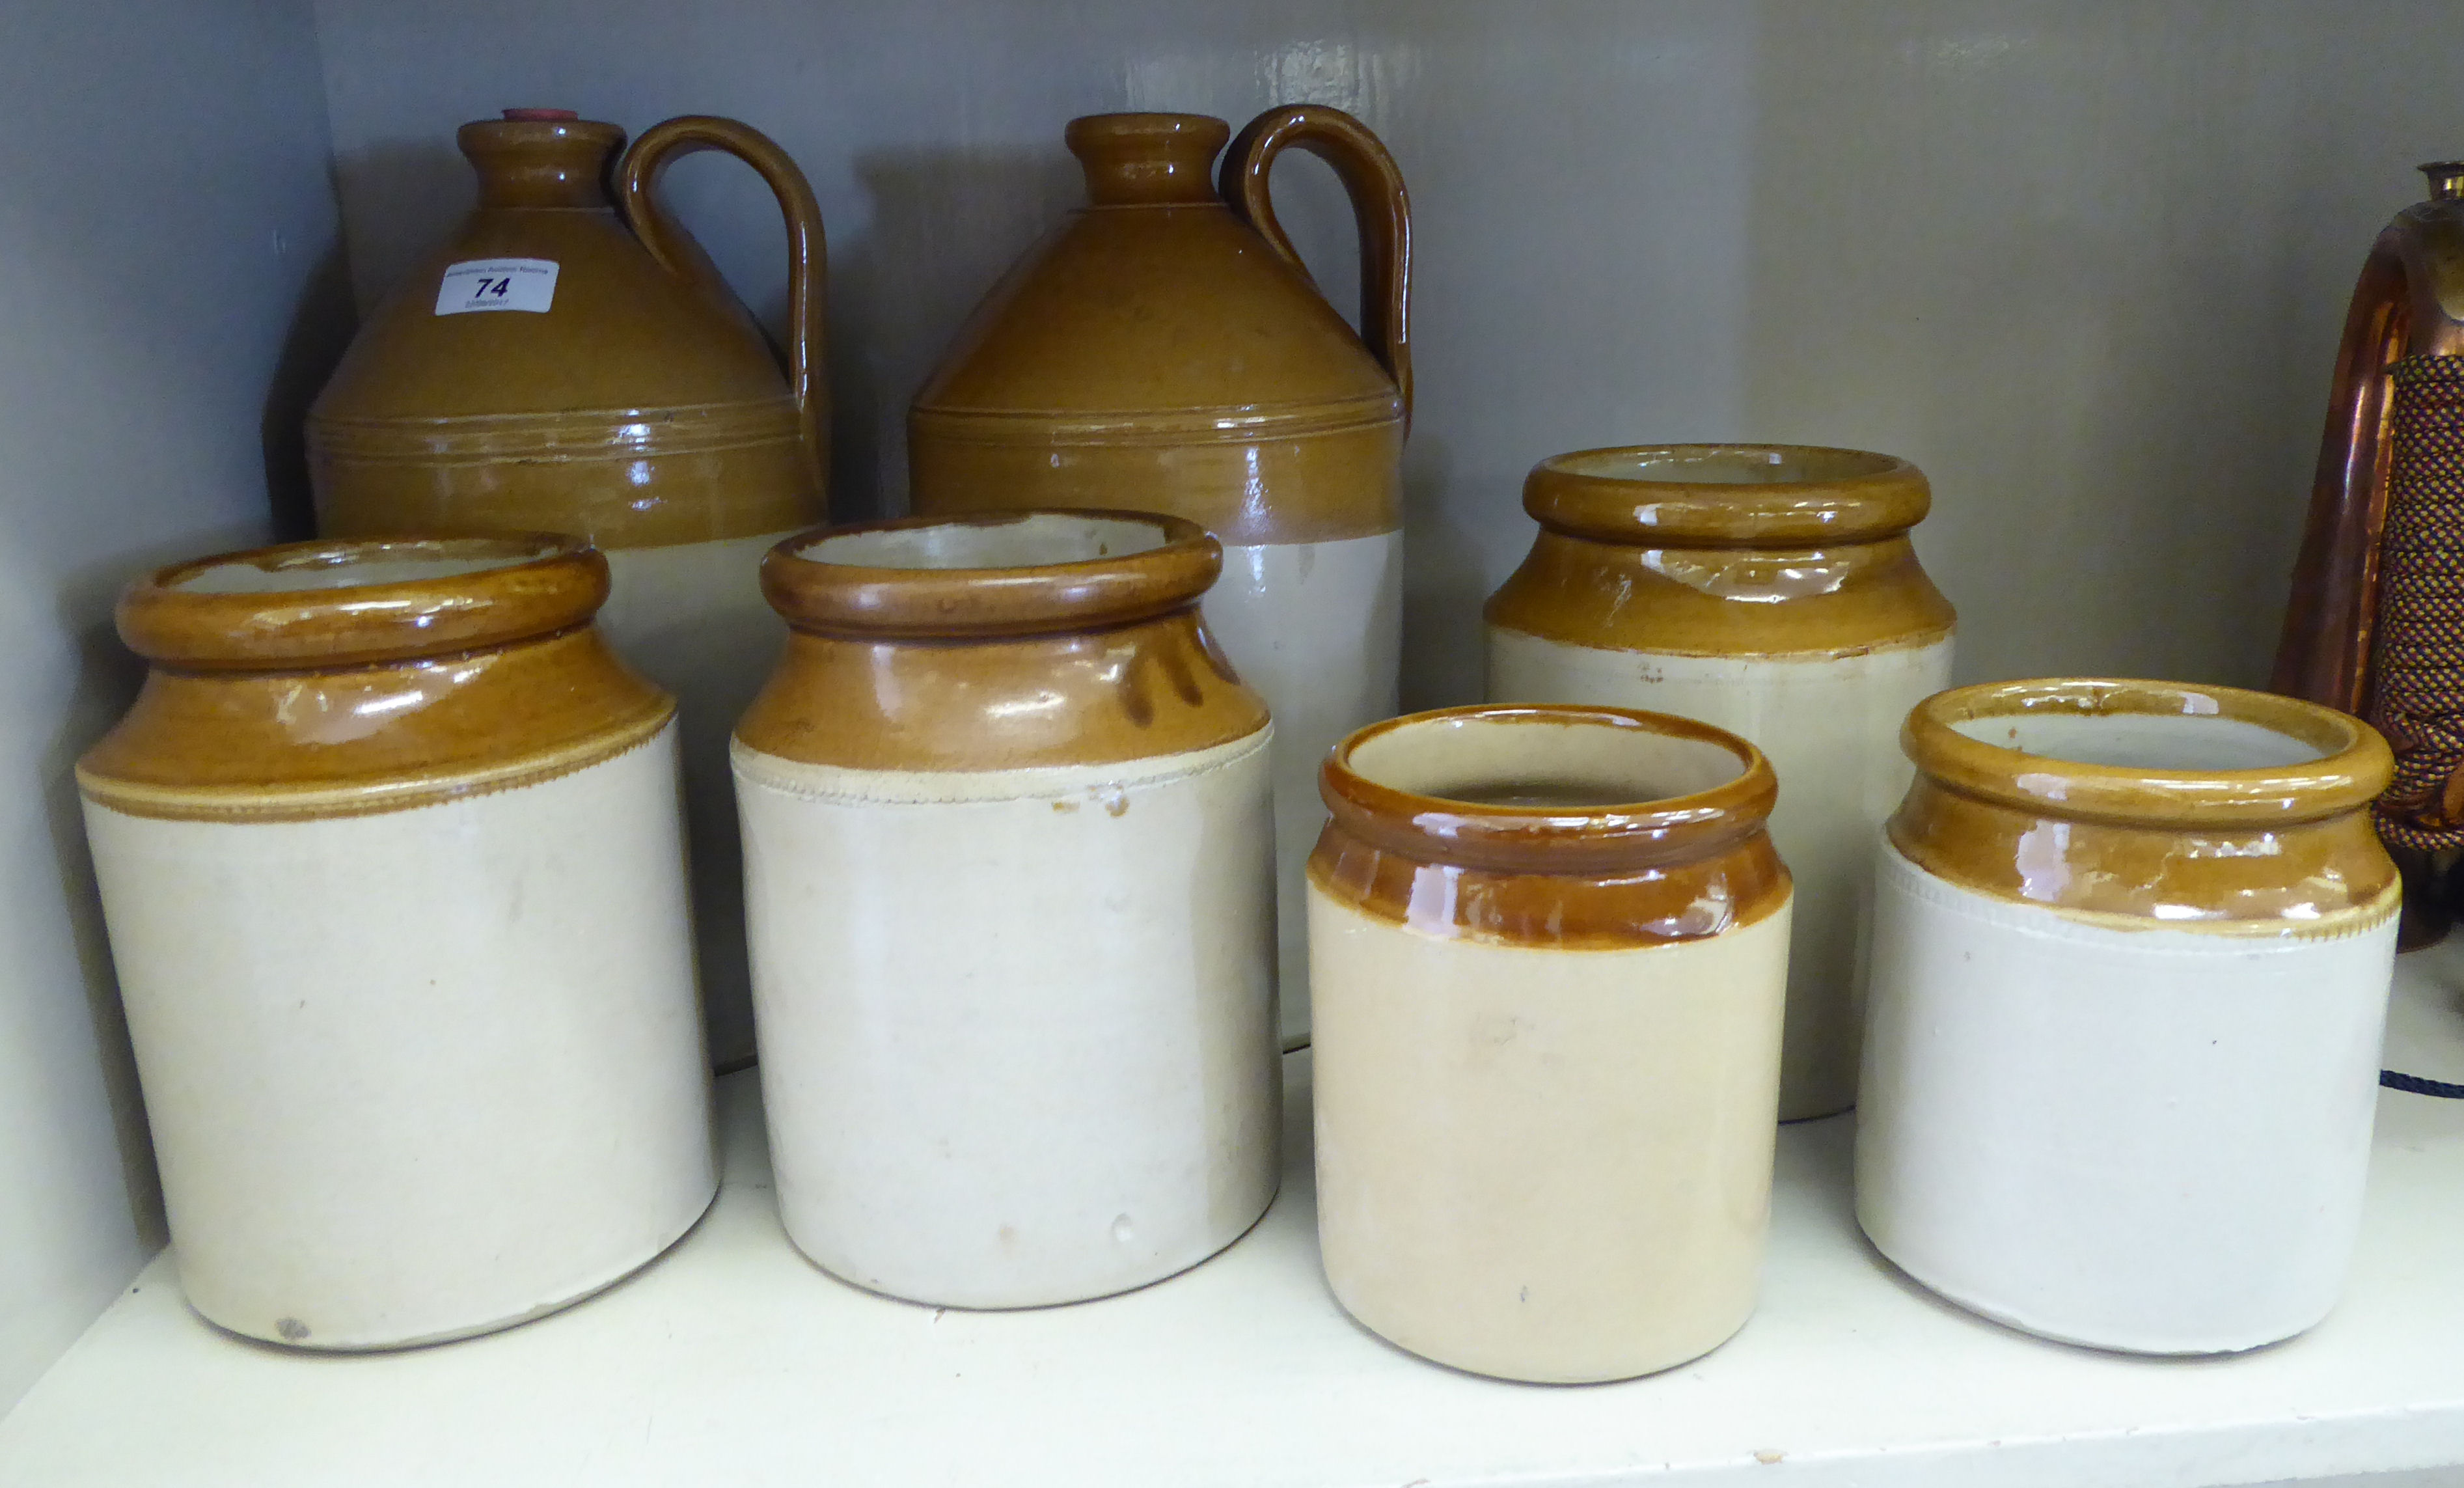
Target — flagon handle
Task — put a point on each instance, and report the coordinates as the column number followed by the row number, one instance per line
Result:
column 637, row 178
column 1378, row 201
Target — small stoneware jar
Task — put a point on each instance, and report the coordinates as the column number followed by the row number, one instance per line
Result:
column 2132, row 944
column 1549, row 947
column 393, row 872
column 1770, row 591
column 1009, row 864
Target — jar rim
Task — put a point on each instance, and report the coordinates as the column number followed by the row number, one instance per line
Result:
column 1683, row 826
column 2350, row 765
column 960, row 601
column 448, row 595
column 1726, row 495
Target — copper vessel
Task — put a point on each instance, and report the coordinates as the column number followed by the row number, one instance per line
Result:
column 1165, row 350
column 2375, row 625
column 570, row 361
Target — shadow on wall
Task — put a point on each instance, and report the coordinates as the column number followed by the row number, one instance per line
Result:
column 321, row 329
column 1444, row 585
column 108, row 675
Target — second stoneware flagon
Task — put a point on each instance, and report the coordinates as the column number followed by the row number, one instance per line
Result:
column 1164, row 349
column 1007, row 848
column 391, row 864
column 1770, row 590
column 569, row 361
column 1549, row 947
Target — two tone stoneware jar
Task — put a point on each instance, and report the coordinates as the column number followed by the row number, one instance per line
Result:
column 393, row 871
column 1549, row 947
column 2132, row 944
column 1770, row 591
column 1008, row 851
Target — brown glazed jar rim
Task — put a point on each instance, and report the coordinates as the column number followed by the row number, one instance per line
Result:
column 542, row 584
column 1671, row 830
column 1849, row 495
column 861, row 600
column 2353, row 768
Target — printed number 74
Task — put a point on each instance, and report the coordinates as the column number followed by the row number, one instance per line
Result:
column 492, row 287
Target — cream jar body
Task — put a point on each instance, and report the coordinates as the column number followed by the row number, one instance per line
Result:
column 405, row 955
column 1772, row 591
column 1011, row 910
column 2131, row 954
column 1545, row 1100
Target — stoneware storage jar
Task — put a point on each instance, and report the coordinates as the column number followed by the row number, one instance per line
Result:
column 569, row 361
column 1165, row 350
column 1007, row 851
column 1770, row 591
column 393, row 875
column 2132, row 944
column 1549, row 947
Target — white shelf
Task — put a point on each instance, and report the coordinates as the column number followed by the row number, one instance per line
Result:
column 734, row 1361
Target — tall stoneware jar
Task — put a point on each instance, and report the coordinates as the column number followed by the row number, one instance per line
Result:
column 568, row 361
column 1007, row 847
column 2132, row 944
column 1549, row 945
column 1165, row 350
column 1769, row 590
column 393, row 876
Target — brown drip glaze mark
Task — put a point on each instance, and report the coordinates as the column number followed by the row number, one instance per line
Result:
column 1135, row 700
column 1184, row 681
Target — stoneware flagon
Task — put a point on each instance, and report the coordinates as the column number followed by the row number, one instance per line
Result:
column 393, row 874
column 1165, row 350
column 570, row 361
column 1769, row 590
column 1008, row 857
column 2132, row 944
column 1550, row 945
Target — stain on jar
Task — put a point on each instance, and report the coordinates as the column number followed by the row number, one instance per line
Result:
column 292, row 1329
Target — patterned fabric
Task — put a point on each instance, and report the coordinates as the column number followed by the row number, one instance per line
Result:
column 2417, row 645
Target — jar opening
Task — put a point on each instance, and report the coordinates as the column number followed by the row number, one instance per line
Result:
column 2145, row 753
column 333, row 567
column 2144, row 741
column 1548, row 788
column 1544, row 764
column 990, row 574
column 1770, row 496
column 1741, row 465
column 1033, row 542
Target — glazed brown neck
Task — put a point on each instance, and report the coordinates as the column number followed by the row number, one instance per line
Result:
column 1148, row 160
column 541, row 163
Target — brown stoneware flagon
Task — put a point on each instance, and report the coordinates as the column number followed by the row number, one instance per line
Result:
column 638, row 405
column 569, row 359
column 283, row 687
column 1165, row 350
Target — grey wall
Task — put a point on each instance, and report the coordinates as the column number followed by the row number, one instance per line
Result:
column 2083, row 262
column 166, row 214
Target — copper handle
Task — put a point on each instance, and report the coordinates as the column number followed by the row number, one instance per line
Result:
column 2325, row 650
column 808, row 251
column 1378, row 201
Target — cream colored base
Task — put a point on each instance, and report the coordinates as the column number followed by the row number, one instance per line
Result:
column 1018, row 1027
column 1317, row 629
column 1542, row 1165
column 1831, row 728
column 2152, row 1140
column 692, row 618
column 420, row 1074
